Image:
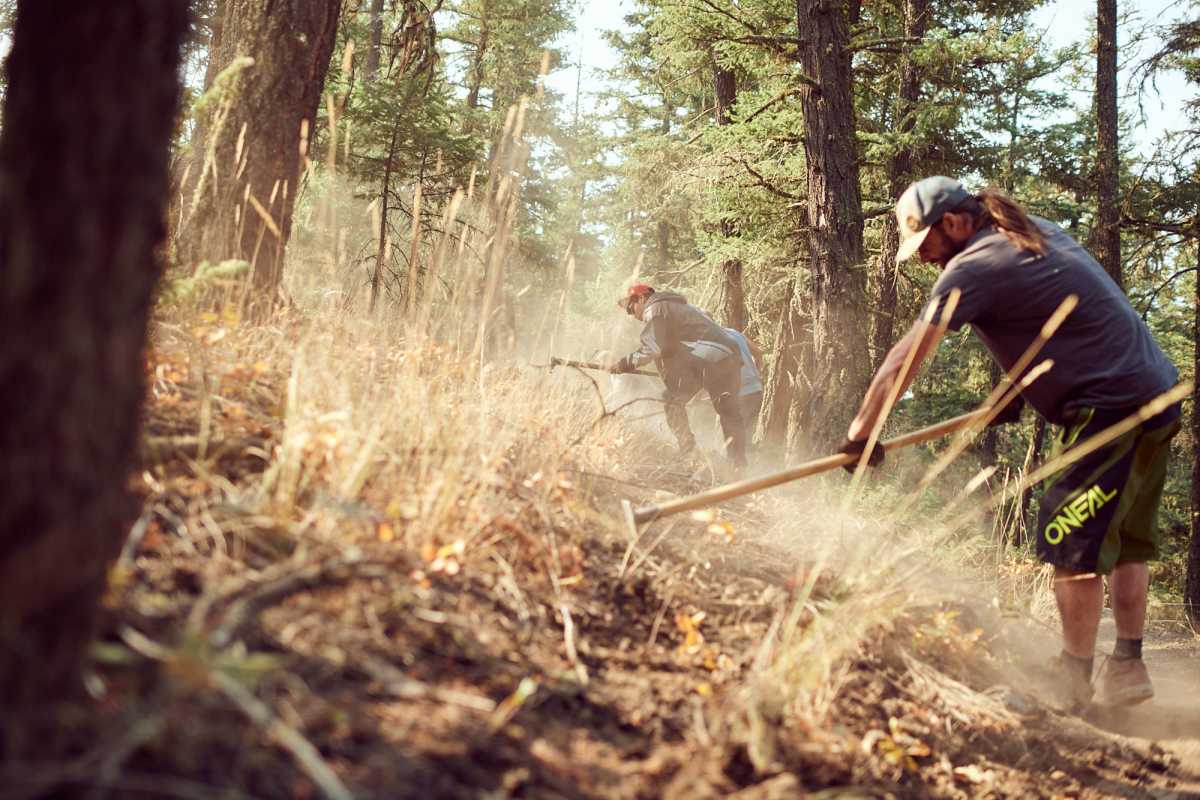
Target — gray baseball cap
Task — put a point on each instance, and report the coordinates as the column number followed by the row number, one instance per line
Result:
column 921, row 206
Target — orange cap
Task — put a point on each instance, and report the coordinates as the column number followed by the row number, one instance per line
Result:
column 635, row 291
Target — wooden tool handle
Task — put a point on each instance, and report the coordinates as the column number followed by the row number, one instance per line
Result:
column 555, row 361
column 817, row 466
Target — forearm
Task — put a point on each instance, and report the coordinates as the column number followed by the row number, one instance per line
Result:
column 872, row 404
column 924, row 339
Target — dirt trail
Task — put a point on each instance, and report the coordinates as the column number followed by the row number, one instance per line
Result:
column 1172, row 719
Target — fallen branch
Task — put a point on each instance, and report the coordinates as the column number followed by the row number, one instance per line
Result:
column 157, row 449
column 336, row 570
column 307, row 757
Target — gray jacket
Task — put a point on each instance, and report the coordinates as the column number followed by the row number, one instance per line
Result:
column 674, row 329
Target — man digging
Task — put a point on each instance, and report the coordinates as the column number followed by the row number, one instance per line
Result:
column 692, row 353
column 1098, row 515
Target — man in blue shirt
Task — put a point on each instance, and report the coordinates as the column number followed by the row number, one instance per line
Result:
column 750, row 394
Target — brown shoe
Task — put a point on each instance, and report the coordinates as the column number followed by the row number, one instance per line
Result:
column 1125, row 682
column 1070, row 688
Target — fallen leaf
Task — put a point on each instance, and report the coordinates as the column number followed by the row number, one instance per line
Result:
column 972, row 773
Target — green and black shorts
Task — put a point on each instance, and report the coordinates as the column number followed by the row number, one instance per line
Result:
column 1101, row 511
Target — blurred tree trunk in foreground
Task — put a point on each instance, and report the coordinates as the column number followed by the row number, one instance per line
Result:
column 91, row 107
column 252, row 134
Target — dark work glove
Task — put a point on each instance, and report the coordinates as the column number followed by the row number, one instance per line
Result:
column 624, row 365
column 856, row 448
column 1011, row 413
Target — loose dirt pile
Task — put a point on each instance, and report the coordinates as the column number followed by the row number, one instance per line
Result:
column 344, row 644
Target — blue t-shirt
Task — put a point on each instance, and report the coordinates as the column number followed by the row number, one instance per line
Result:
column 750, row 378
column 1104, row 355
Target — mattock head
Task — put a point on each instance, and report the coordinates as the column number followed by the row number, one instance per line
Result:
column 630, row 520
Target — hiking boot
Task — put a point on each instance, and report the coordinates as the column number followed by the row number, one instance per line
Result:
column 1125, row 682
column 1070, row 687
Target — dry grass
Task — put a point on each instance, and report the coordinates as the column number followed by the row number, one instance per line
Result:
column 372, row 518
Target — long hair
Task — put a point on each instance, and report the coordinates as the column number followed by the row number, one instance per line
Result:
column 991, row 207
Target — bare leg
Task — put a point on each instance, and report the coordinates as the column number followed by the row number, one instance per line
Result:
column 1128, row 585
column 1080, row 601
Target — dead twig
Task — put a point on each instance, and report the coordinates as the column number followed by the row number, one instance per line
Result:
column 658, row 618
column 644, row 556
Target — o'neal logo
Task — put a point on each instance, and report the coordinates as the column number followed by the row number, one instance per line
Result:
column 1077, row 512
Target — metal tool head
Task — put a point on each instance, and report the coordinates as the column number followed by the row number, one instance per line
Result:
column 630, row 520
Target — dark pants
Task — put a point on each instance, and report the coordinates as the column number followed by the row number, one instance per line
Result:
column 684, row 376
column 751, row 406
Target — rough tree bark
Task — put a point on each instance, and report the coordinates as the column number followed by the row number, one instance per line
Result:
column 899, row 175
column 779, row 391
column 1191, row 592
column 374, row 41
column 662, row 230
column 92, row 99
column 839, row 358
column 1033, row 460
column 475, row 73
column 1108, row 238
column 732, row 312
column 215, row 24
column 240, row 206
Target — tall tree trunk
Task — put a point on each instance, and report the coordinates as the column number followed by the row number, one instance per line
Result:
column 780, row 389
column 381, row 251
column 215, row 26
column 1108, row 240
column 662, row 251
column 475, row 74
column 662, row 247
column 374, row 41
column 733, row 295
column 839, row 359
column 91, row 107
column 241, row 206
column 989, row 441
column 1191, row 593
column 1033, row 459
column 899, row 175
